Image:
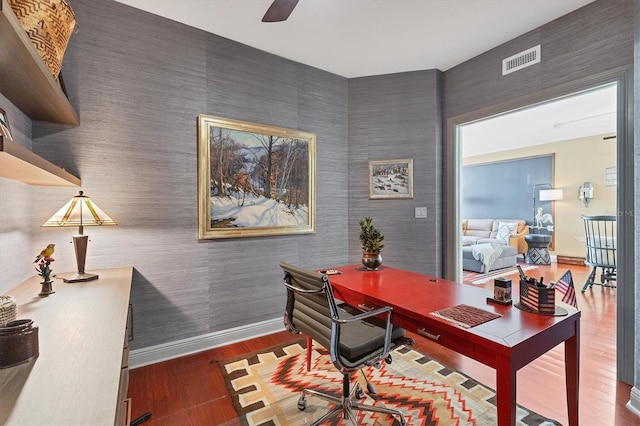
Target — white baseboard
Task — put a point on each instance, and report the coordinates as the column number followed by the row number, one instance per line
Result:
column 634, row 403
column 192, row 345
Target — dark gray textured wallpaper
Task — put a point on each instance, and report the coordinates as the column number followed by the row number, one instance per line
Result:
column 395, row 117
column 139, row 82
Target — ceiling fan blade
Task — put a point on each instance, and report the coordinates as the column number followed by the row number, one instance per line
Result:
column 279, row 10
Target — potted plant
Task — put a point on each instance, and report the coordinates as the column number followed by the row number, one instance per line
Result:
column 371, row 239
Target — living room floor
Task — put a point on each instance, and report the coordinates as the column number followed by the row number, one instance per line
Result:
column 191, row 391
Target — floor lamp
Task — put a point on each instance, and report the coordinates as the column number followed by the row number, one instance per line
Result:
column 80, row 211
column 549, row 194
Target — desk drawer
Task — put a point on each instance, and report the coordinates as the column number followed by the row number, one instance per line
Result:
column 435, row 334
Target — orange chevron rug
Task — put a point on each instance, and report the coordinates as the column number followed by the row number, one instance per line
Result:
column 265, row 387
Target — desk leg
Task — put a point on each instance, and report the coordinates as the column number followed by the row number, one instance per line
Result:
column 572, row 373
column 506, row 392
column 309, row 349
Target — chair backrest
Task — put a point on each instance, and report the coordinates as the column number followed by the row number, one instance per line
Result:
column 310, row 308
column 601, row 240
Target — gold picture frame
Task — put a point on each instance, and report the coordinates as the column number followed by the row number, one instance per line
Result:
column 391, row 179
column 254, row 180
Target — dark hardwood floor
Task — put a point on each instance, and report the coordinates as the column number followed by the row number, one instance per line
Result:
column 190, row 390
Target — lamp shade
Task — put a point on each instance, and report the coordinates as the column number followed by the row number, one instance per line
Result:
column 79, row 211
column 551, row 194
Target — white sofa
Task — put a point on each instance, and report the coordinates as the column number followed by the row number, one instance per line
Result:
column 478, row 231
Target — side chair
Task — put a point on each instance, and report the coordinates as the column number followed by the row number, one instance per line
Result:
column 601, row 242
column 353, row 341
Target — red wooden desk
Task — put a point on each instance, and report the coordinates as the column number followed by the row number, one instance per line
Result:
column 507, row 343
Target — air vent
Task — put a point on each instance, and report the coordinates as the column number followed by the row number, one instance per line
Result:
column 521, row 60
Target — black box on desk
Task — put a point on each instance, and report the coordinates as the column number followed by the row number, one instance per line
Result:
column 502, row 289
column 539, row 299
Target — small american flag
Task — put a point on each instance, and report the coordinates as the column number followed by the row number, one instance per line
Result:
column 565, row 286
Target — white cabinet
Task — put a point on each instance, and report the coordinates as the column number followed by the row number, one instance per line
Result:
column 81, row 375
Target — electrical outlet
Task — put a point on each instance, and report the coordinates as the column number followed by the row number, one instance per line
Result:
column 421, row 212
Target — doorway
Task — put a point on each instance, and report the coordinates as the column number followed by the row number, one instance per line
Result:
column 558, row 145
column 623, row 78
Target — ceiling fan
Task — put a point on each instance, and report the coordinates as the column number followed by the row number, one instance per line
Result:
column 279, row 10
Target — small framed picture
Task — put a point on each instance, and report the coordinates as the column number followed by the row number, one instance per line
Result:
column 391, row 179
column 4, row 125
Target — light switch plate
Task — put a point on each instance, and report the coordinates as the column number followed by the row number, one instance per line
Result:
column 421, row 212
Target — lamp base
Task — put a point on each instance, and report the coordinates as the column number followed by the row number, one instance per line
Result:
column 77, row 278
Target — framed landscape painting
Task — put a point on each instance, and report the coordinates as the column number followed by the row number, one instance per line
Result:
column 254, row 180
column 391, row 179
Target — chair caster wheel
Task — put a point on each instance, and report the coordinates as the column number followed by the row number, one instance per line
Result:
column 359, row 394
column 388, row 359
column 302, row 403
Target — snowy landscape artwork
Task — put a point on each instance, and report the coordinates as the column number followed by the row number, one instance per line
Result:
column 391, row 179
column 254, row 180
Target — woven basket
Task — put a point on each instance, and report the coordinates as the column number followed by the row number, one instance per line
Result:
column 7, row 309
column 49, row 24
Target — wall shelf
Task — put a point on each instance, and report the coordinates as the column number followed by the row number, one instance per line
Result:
column 26, row 80
column 22, row 165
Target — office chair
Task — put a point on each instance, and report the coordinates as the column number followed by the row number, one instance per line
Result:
column 353, row 341
column 601, row 241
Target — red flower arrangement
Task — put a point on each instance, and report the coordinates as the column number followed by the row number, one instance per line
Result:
column 44, row 268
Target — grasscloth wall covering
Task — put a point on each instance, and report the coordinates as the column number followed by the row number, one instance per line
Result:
column 139, row 83
column 15, row 210
column 393, row 117
column 593, row 39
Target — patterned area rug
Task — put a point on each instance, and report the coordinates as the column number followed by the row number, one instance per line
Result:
column 265, row 388
column 479, row 278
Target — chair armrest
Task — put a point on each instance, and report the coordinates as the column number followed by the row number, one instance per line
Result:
column 367, row 314
column 524, row 231
column 517, row 240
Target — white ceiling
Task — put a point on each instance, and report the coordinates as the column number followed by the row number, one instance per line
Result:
column 356, row 38
column 581, row 115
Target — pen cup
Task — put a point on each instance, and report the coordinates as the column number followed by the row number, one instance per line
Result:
column 539, row 299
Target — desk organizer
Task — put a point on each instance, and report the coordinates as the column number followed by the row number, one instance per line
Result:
column 538, row 299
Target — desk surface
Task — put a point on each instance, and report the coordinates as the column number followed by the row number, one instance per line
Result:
column 76, row 378
column 418, row 295
column 507, row 343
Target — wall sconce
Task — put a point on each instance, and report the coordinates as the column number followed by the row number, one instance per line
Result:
column 80, row 211
column 586, row 193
